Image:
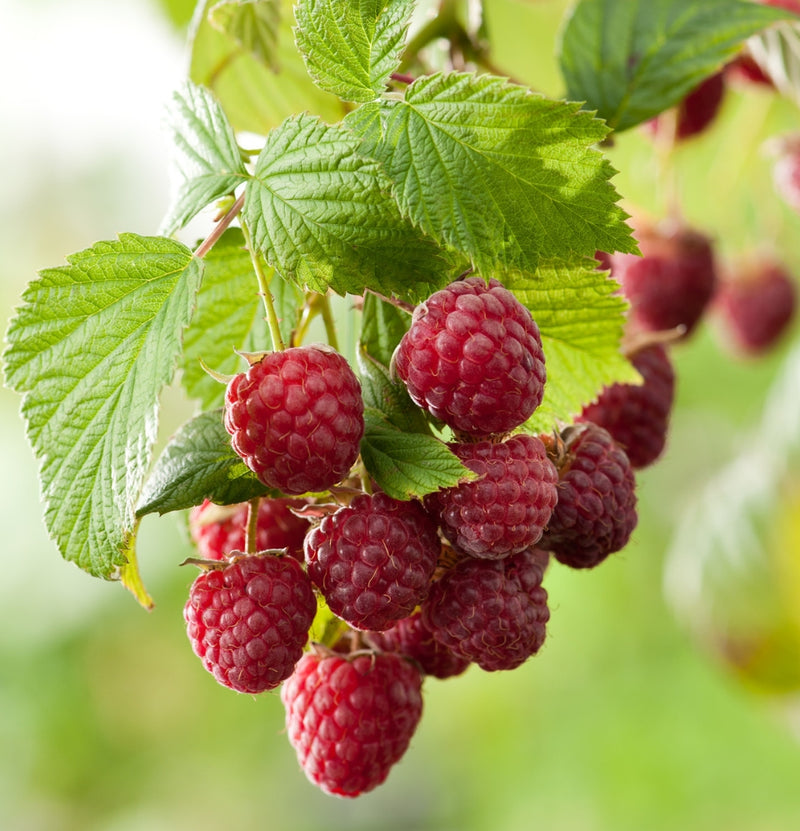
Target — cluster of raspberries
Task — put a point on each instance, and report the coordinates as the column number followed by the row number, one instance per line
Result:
column 420, row 587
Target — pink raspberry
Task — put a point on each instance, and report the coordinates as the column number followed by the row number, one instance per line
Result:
column 596, row 510
column 504, row 510
column 473, row 358
column 249, row 621
column 373, row 560
column 351, row 719
column 637, row 416
column 491, row 612
column 296, row 418
column 220, row 529
column 786, row 169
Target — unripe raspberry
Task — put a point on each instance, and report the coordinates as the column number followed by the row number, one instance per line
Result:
column 249, row 621
column 296, row 418
column 637, row 416
column 351, row 719
column 596, row 510
column 373, row 559
column 506, row 508
column 491, row 612
column 473, row 358
column 219, row 529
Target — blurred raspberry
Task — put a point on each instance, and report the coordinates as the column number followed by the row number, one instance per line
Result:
column 696, row 112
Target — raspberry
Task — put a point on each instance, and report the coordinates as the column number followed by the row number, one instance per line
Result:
column 672, row 282
column 412, row 638
column 296, row 418
column 473, row 358
column 373, row 560
column 745, row 70
column 491, row 612
column 637, row 416
column 249, row 621
column 218, row 530
column 786, row 169
column 756, row 306
column 504, row 510
column 596, row 510
column 697, row 110
column 351, row 719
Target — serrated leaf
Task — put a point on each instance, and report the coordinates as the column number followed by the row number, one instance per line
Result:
column 352, row 48
column 777, row 52
column 407, row 465
column 631, row 59
column 491, row 169
column 199, row 463
column 581, row 322
column 206, row 157
column 322, row 215
column 254, row 97
column 90, row 349
column 253, row 24
column 389, row 397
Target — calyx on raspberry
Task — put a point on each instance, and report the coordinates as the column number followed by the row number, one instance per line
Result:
column 473, row 358
column 249, row 620
column 296, row 418
column 350, row 719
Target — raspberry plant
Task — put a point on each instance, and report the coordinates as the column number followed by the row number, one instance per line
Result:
column 371, row 151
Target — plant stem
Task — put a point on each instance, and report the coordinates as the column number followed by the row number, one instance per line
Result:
column 251, row 540
column 266, row 295
column 219, row 229
column 327, row 319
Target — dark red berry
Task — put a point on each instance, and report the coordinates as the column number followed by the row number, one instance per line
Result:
column 696, row 111
column 296, row 418
column 596, row 510
column 219, row 529
column 491, row 612
column 412, row 638
column 473, row 358
column 351, row 719
column 744, row 69
column 249, row 621
column 373, row 559
column 637, row 416
column 506, row 508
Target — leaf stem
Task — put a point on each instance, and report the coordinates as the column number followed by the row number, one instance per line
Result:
column 219, row 229
column 266, row 295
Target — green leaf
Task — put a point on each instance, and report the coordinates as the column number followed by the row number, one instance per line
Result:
column 254, row 97
column 253, row 24
column 631, row 59
column 352, row 48
column 407, row 465
column 199, row 463
column 581, row 320
column 323, row 216
column 90, row 349
column 206, row 157
column 387, row 396
column 491, row 169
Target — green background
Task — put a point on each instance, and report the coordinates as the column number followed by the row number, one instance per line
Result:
column 623, row 721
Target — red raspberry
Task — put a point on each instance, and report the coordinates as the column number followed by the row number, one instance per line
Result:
column 351, row 719
column 672, row 282
column 596, row 510
column 249, row 621
column 697, row 110
column 505, row 509
column 755, row 306
column 373, row 560
column 296, row 418
column 637, row 416
column 491, row 612
column 220, row 529
column 473, row 358
column 412, row 638
column 744, row 69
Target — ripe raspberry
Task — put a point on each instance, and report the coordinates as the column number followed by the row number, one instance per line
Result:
column 696, row 111
column 473, row 358
column 505, row 509
column 755, row 306
column 596, row 510
column 220, row 529
column 412, row 638
column 491, row 612
column 296, row 418
column 249, row 621
column 351, row 719
column 373, row 560
column 672, row 282
column 637, row 416
column 744, row 69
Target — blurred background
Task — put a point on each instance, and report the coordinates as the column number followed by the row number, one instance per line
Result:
column 668, row 692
